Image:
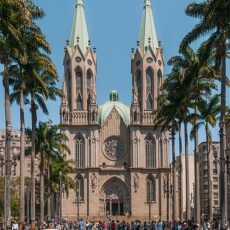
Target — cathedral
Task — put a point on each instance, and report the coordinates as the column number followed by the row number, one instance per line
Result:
column 122, row 161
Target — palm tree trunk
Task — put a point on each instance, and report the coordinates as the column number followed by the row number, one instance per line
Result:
column 42, row 189
column 181, row 174
column 49, row 194
column 60, row 199
column 208, row 173
column 223, row 185
column 174, row 175
column 33, row 202
column 197, row 173
column 187, row 171
column 22, row 157
column 7, row 206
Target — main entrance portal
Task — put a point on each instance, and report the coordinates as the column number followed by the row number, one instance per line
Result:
column 114, row 206
column 115, row 198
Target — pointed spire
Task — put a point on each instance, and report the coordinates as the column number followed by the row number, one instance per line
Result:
column 79, row 28
column 148, row 35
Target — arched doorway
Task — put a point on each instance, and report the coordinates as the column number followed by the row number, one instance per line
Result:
column 115, row 198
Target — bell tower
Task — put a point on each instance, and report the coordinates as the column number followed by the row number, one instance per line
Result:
column 147, row 70
column 79, row 106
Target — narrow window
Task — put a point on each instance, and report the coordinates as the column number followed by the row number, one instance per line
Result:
column 79, row 81
column 80, row 152
column 150, row 149
column 151, row 189
column 139, row 86
column 159, row 81
column 80, row 188
column 69, row 89
column 149, row 89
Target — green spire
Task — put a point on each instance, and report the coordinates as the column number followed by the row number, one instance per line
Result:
column 79, row 28
column 148, row 35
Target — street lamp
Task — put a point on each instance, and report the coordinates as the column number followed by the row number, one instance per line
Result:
column 77, row 201
column 149, row 197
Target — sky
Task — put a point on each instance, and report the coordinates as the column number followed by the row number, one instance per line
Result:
column 114, row 29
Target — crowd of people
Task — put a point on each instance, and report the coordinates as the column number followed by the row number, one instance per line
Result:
column 110, row 224
column 132, row 225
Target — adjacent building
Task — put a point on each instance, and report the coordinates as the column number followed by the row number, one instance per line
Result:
column 180, row 170
column 122, row 161
column 15, row 155
column 209, row 189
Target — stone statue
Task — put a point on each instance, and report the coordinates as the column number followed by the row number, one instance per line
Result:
column 93, row 181
column 136, row 181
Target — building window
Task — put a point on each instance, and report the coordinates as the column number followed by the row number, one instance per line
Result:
column 149, row 89
column 89, row 79
column 215, row 196
column 215, row 179
column 79, row 80
column 80, row 187
column 139, row 86
column 149, row 104
column 80, row 151
column 150, row 147
column 79, row 103
column 159, row 81
column 215, row 186
column 151, row 189
column 215, row 202
column 69, row 91
column 215, row 171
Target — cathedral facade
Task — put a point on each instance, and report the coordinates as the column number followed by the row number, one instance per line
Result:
column 122, row 161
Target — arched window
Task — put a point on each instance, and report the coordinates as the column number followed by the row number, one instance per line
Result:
column 159, row 81
column 150, row 148
column 79, row 81
column 69, row 90
column 149, row 89
column 149, row 103
column 139, row 86
column 80, row 187
column 80, row 151
column 79, row 102
column 89, row 79
column 151, row 189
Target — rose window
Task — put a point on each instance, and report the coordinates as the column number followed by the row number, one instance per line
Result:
column 114, row 148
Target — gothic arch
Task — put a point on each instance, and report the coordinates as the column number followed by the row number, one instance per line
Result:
column 149, row 88
column 80, row 150
column 79, row 80
column 80, row 186
column 159, row 81
column 69, row 88
column 138, row 79
column 151, row 188
column 89, row 76
column 115, row 186
column 150, row 151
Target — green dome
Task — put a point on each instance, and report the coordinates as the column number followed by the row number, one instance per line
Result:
column 122, row 109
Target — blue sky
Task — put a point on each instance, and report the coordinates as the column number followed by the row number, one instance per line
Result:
column 114, row 29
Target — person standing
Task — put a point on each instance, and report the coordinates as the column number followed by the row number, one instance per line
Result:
column 81, row 224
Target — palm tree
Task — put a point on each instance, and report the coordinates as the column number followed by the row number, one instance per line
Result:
column 33, row 41
column 13, row 15
column 60, row 179
column 214, row 21
column 189, row 78
column 209, row 110
column 50, row 145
